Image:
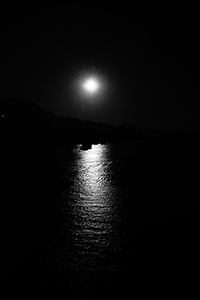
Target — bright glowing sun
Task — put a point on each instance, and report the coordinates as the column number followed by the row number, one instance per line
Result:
column 91, row 85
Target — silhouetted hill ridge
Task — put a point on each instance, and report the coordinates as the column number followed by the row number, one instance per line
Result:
column 18, row 106
column 38, row 126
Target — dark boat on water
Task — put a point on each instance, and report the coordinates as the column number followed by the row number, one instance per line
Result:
column 86, row 146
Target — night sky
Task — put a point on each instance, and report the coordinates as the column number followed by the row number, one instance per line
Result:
column 146, row 54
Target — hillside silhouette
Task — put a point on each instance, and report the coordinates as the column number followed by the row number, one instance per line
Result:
column 24, row 125
column 27, row 124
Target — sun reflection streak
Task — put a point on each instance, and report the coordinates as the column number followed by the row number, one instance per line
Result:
column 94, row 193
column 93, row 212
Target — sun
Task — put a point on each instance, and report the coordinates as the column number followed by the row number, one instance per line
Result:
column 91, row 85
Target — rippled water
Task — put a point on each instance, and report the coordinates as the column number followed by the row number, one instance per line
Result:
column 90, row 241
column 118, row 225
column 95, row 243
column 92, row 238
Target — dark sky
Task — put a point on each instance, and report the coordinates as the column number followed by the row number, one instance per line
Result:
column 147, row 53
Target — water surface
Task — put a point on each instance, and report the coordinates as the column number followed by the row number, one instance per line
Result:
column 92, row 239
column 118, row 224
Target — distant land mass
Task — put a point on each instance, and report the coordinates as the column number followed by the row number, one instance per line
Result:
column 26, row 123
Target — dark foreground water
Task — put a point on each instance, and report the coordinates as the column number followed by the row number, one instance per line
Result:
column 123, row 222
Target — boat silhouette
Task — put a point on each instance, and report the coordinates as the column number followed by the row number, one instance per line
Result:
column 86, row 146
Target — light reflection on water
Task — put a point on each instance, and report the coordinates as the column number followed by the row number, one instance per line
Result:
column 92, row 207
column 94, row 192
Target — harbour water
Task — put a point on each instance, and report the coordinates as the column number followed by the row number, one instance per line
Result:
column 92, row 237
column 91, row 243
column 111, row 230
